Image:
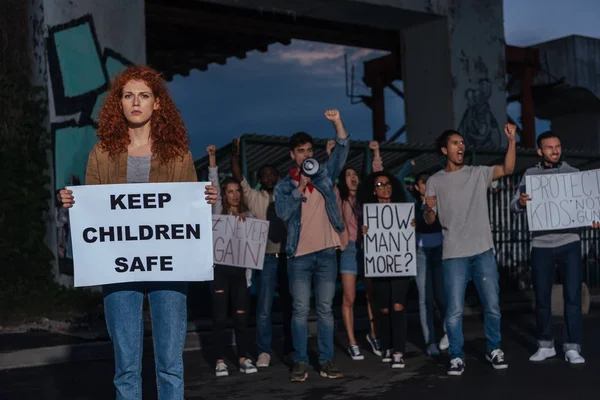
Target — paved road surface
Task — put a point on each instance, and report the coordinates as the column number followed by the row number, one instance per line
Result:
column 423, row 378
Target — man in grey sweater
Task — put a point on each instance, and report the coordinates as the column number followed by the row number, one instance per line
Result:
column 548, row 249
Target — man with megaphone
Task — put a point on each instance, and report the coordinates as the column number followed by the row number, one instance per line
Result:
column 306, row 201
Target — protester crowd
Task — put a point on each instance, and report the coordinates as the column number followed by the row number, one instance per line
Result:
column 316, row 231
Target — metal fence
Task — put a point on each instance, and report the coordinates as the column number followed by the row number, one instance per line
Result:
column 512, row 240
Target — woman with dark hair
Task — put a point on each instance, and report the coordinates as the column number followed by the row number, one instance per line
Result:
column 382, row 187
column 230, row 281
column 142, row 139
column 351, row 259
column 430, row 272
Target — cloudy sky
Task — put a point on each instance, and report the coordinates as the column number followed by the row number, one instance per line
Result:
column 287, row 88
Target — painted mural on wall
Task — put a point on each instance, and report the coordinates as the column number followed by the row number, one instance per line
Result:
column 80, row 70
column 478, row 124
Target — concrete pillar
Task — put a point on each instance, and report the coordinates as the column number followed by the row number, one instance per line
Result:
column 454, row 72
column 76, row 48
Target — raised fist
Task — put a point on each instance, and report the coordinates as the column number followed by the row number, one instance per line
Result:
column 511, row 131
column 211, row 150
column 374, row 145
column 332, row 115
column 235, row 147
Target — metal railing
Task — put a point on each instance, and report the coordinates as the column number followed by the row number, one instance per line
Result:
column 512, row 238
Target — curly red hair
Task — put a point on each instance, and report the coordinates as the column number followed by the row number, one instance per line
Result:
column 168, row 134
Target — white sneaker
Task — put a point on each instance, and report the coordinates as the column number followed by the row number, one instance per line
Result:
column 573, row 357
column 264, row 360
column 444, row 344
column 543, row 353
column 221, row 369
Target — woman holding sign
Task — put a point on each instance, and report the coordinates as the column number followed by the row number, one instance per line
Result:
column 381, row 187
column 142, row 139
column 230, row 281
column 351, row 258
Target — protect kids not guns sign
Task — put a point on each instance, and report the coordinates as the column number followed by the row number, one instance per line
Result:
column 561, row 201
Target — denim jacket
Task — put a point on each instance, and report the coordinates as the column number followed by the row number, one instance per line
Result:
column 288, row 201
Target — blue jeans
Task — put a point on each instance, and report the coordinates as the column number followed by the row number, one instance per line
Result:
column 430, row 283
column 543, row 261
column 323, row 265
column 123, row 305
column 350, row 260
column 458, row 272
column 274, row 271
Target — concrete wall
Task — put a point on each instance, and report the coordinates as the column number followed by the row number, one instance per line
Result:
column 77, row 47
column 475, row 46
column 576, row 58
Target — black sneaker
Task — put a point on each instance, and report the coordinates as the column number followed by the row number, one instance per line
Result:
column 456, row 367
column 328, row 370
column 387, row 356
column 355, row 353
column 299, row 373
column 374, row 345
column 496, row 358
column 398, row 361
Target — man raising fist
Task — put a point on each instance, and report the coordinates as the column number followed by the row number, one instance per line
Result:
column 309, row 207
column 458, row 196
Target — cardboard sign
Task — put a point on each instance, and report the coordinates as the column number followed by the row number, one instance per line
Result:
column 561, row 201
column 141, row 232
column 389, row 244
column 239, row 243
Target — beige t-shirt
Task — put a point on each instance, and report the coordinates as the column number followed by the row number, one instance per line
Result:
column 316, row 232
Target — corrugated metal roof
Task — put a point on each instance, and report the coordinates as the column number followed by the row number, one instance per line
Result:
column 265, row 149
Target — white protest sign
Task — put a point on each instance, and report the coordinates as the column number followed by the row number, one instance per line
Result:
column 561, row 201
column 141, row 232
column 390, row 241
column 239, row 243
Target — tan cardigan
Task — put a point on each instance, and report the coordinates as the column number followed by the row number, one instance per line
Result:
column 103, row 170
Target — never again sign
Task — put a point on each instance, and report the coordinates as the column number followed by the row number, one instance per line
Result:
column 389, row 244
column 141, row 232
column 239, row 243
column 561, row 201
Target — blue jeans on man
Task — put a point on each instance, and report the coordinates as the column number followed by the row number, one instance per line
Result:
column 274, row 272
column 482, row 269
column 323, row 266
column 543, row 264
column 123, row 306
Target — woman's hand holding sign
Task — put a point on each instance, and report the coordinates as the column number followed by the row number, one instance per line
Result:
column 67, row 198
column 211, row 194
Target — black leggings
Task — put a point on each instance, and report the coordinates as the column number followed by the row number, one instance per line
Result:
column 230, row 281
column 389, row 297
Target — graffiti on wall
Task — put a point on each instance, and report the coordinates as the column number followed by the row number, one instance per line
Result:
column 478, row 124
column 80, row 71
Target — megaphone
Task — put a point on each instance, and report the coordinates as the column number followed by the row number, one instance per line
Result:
column 310, row 167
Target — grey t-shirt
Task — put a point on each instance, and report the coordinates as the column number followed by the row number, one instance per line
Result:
column 462, row 207
column 138, row 169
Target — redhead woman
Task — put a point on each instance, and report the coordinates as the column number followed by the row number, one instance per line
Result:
column 142, row 139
